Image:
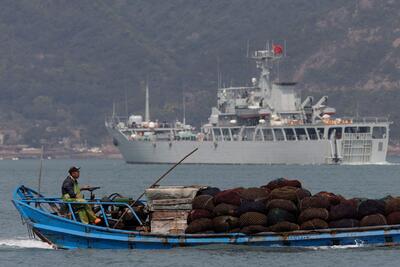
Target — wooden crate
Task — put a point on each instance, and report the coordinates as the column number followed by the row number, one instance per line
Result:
column 170, row 207
column 169, row 222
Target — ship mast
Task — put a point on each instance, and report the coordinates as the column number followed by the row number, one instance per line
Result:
column 113, row 109
column 184, row 109
column 264, row 60
column 147, row 110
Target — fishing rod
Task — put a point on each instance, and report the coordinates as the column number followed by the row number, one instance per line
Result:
column 155, row 183
column 40, row 173
column 40, row 170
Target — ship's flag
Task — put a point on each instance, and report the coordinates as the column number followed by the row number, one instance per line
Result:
column 278, row 49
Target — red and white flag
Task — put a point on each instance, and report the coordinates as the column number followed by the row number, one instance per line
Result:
column 278, row 49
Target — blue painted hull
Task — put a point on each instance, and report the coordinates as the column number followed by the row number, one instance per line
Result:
column 69, row 234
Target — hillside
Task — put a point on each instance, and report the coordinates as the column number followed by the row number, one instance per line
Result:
column 63, row 63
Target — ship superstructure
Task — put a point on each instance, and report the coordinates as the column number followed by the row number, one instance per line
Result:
column 266, row 123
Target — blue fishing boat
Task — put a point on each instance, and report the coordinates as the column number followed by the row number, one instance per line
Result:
column 44, row 218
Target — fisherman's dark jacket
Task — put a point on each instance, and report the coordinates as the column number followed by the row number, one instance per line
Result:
column 70, row 187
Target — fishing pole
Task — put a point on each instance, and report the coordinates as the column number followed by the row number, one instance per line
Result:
column 155, row 183
column 40, row 173
column 40, row 170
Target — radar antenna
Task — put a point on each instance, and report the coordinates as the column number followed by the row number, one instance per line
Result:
column 264, row 60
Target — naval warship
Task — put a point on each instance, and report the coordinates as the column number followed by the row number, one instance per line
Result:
column 265, row 123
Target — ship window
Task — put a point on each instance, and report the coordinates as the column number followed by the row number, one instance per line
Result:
column 350, row 129
column 321, row 133
column 235, row 133
column 217, row 134
column 279, row 134
column 290, row 136
column 268, row 136
column 357, row 129
column 226, row 133
column 379, row 133
column 248, row 134
column 364, row 129
column 312, row 134
column 337, row 131
column 301, row 134
column 258, row 135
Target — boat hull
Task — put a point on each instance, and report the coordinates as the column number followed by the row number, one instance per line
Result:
column 68, row 234
column 248, row 152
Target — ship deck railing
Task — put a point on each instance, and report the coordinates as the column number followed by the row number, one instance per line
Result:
column 367, row 119
column 114, row 120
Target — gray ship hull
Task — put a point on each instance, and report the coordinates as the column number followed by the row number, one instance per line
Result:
column 248, row 152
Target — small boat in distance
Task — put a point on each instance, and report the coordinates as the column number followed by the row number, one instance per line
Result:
column 266, row 123
column 45, row 218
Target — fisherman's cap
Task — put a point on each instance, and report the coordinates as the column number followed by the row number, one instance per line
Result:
column 74, row 169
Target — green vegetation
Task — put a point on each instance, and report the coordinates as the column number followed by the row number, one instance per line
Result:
column 63, row 63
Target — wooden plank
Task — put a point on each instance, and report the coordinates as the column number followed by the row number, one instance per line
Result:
column 172, row 201
column 168, row 226
column 160, row 215
column 183, row 207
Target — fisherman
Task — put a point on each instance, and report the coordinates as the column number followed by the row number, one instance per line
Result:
column 71, row 192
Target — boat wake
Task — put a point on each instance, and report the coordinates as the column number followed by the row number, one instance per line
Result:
column 386, row 163
column 24, row 243
column 358, row 245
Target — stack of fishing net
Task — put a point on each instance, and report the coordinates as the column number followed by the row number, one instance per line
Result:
column 244, row 210
column 282, row 206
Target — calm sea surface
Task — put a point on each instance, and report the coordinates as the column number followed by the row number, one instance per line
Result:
column 116, row 176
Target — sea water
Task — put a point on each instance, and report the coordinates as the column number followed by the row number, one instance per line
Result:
column 16, row 249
